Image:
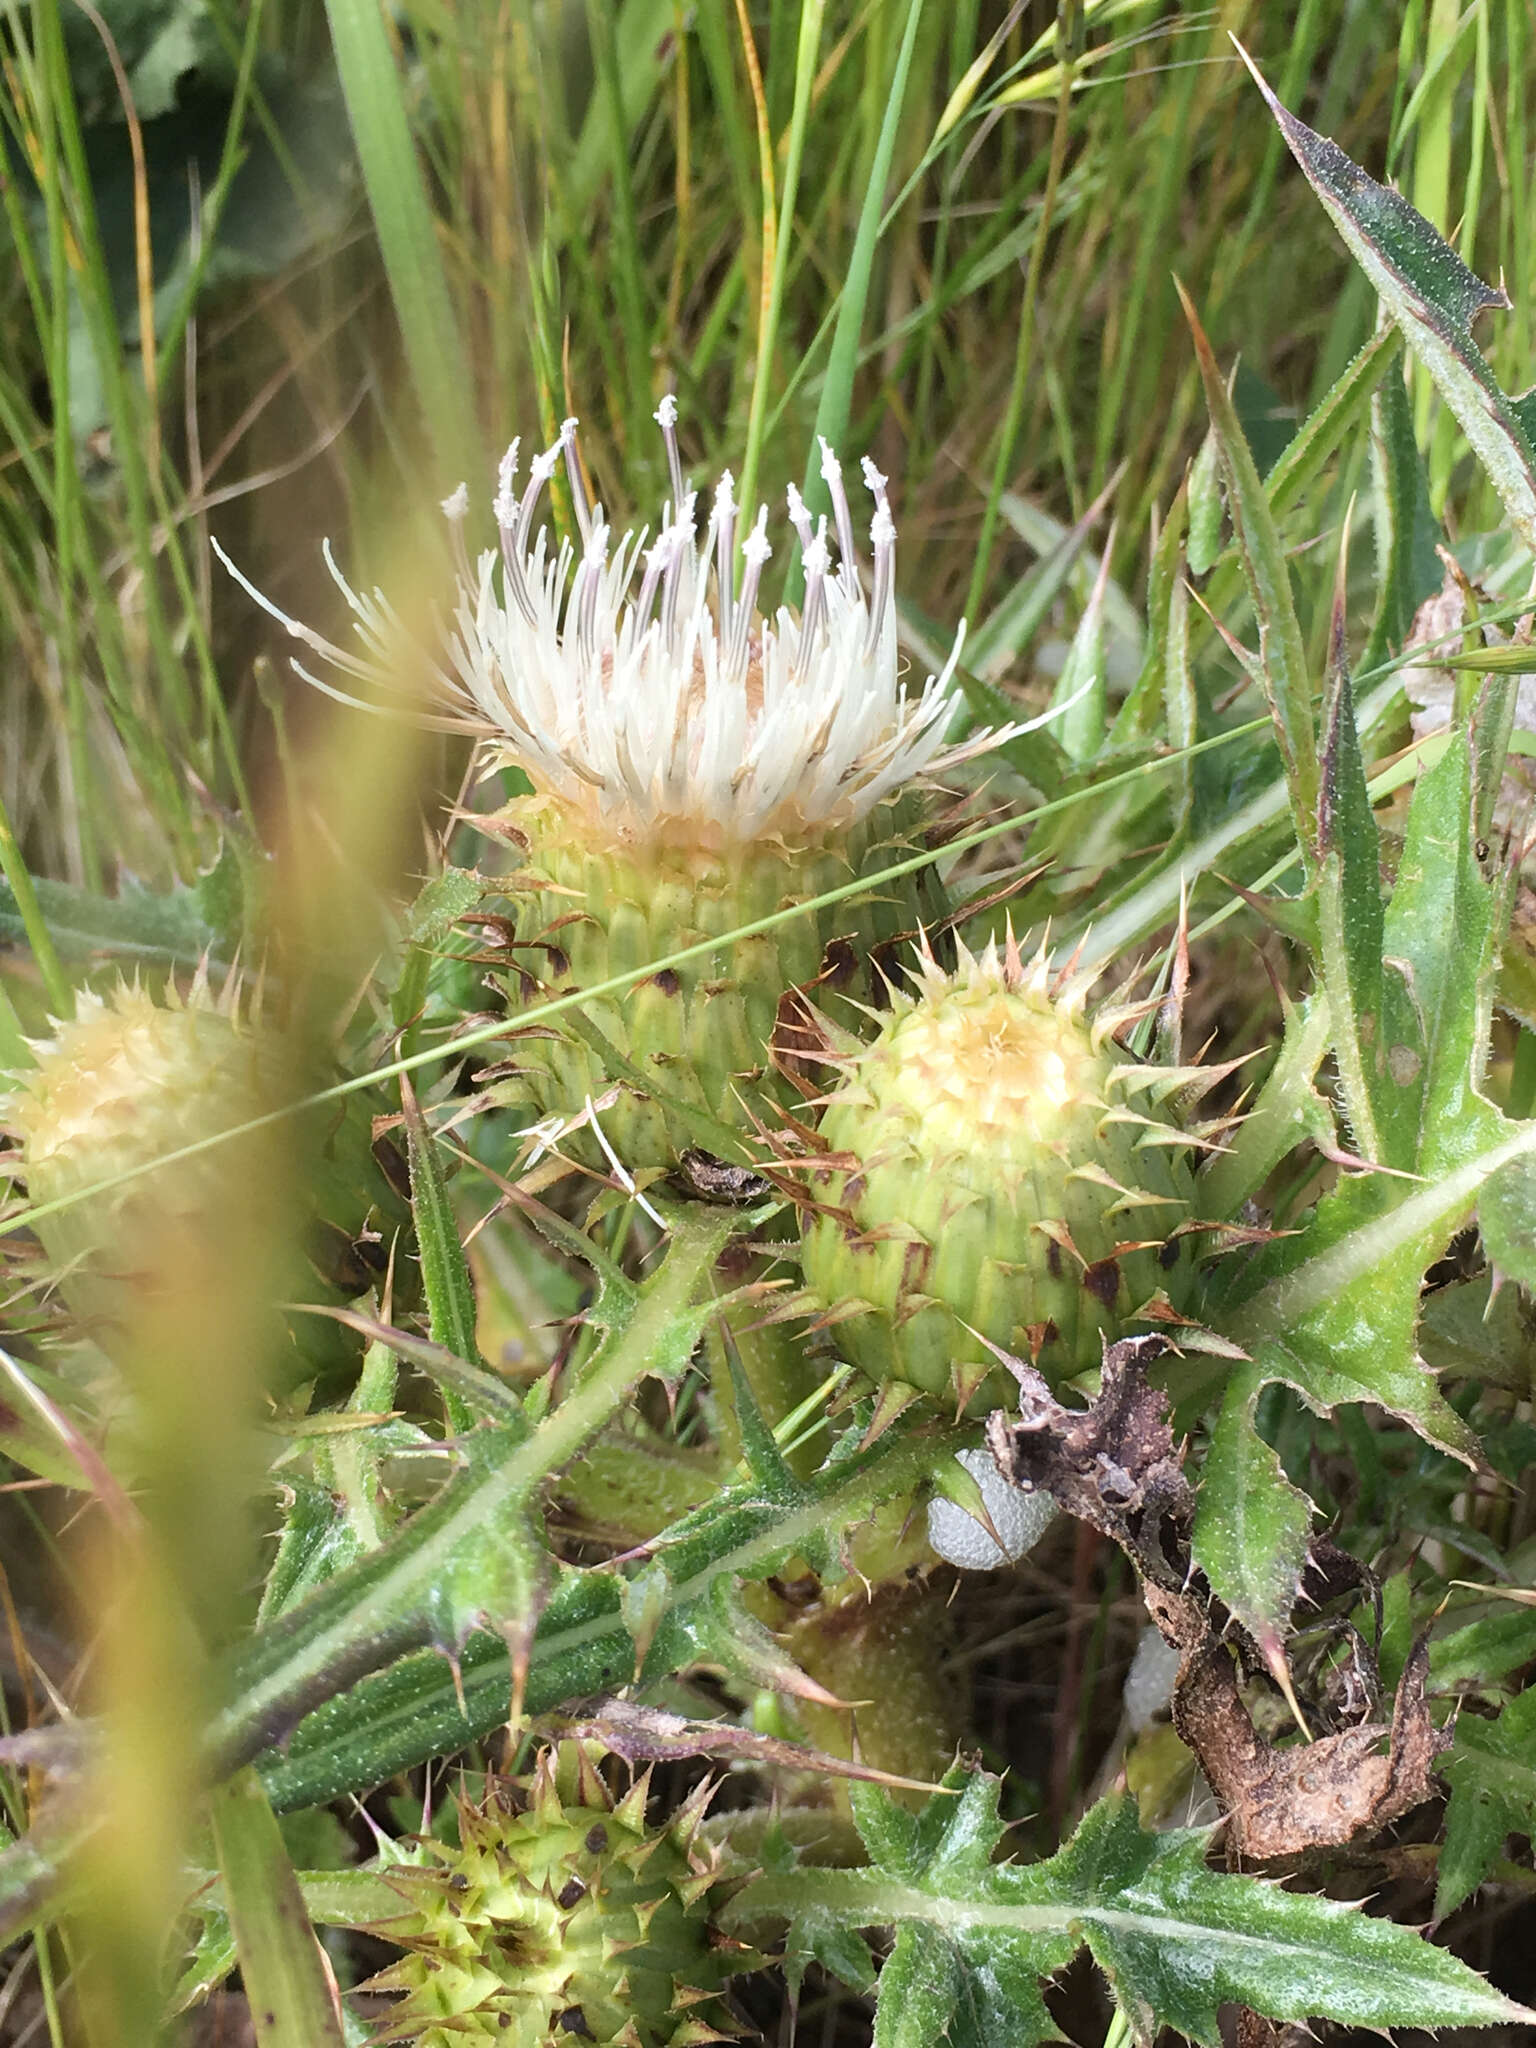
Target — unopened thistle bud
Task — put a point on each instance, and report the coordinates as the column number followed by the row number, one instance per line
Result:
column 698, row 766
column 995, row 1167
column 565, row 1920
column 130, row 1082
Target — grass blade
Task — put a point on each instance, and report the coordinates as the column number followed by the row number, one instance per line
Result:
column 837, row 391
column 402, row 216
column 293, row 2001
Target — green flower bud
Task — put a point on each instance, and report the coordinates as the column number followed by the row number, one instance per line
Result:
column 994, row 1168
column 568, row 1920
column 127, row 1083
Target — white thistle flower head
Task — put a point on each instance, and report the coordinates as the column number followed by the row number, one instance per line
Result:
column 637, row 682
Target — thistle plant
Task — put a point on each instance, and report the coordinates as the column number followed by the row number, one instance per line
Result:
column 647, row 1477
column 700, row 770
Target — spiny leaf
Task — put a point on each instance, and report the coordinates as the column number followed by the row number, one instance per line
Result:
column 585, row 1642
column 1176, row 1939
column 1433, row 297
column 470, row 1557
column 1492, row 1775
column 1336, row 1308
column 1251, row 1524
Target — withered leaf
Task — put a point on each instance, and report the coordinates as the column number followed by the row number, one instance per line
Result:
column 644, row 1734
column 1113, row 1464
column 1282, row 1802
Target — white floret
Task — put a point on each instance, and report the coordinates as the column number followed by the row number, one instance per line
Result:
column 642, row 681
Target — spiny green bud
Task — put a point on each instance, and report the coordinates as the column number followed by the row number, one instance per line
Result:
column 698, row 1035
column 994, row 1168
column 565, row 1920
column 127, row 1083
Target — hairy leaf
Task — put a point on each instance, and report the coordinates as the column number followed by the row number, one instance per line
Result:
column 1492, row 1774
column 974, row 1937
column 1433, row 297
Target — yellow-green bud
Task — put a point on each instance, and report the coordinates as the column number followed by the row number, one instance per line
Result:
column 127, row 1083
column 994, row 1169
column 565, row 1921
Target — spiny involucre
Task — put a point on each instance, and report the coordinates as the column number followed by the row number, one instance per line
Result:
column 564, row 1919
column 994, row 1169
column 131, row 1081
column 698, row 766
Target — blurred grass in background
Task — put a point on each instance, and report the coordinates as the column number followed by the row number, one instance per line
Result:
column 326, row 268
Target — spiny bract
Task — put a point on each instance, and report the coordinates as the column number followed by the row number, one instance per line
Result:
column 126, row 1084
column 567, row 1921
column 995, row 1167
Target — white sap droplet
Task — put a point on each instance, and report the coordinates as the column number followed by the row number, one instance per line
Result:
column 1020, row 1519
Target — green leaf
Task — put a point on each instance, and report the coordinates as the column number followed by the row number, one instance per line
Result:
column 1137, row 718
column 1433, row 297
column 445, row 1272
column 293, row 2004
column 1492, row 1774
column 1336, row 1308
column 402, row 215
column 585, row 1638
column 137, row 927
column 1282, row 656
column 1176, row 1940
column 837, row 386
column 1407, row 568
column 1251, row 1525
column 470, row 1558
column 1350, row 915
column 1205, row 507
column 1288, row 1109
column 1080, row 694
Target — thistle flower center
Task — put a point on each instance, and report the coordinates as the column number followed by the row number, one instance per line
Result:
column 978, row 1070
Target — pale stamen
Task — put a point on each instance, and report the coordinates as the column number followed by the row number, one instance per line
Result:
column 848, row 565
column 640, row 683
column 666, row 419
